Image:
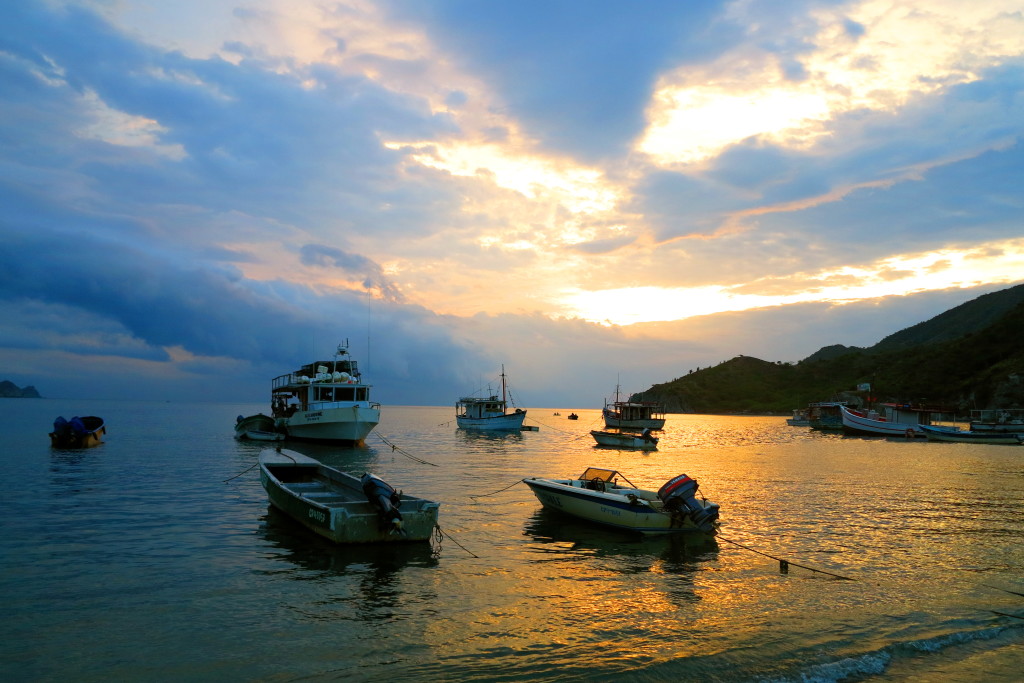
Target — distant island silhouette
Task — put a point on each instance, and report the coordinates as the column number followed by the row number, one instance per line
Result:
column 12, row 390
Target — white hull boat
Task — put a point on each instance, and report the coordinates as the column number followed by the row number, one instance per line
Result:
column 898, row 420
column 340, row 507
column 631, row 440
column 325, row 401
column 633, row 414
column 597, row 496
column 489, row 413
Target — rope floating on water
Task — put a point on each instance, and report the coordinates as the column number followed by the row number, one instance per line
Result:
column 395, row 448
column 240, row 473
column 484, row 495
column 783, row 563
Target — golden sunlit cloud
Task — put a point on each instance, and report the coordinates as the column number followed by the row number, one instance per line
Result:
column 576, row 188
column 125, row 130
column 1000, row 263
column 904, row 50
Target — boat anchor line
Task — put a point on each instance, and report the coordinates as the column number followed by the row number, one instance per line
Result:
column 395, row 448
column 785, row 564
column 440, row 534
column 484, row 495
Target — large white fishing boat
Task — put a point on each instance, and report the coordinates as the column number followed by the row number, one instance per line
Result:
column 489, row 413
column 325, row 401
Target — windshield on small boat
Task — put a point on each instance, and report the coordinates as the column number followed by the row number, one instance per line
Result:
column 592, row 473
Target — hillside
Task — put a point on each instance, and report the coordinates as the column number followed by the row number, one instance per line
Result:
column 966, row 358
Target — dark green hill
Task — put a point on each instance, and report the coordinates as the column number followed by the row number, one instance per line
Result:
column 972, row 316
column 971, row 356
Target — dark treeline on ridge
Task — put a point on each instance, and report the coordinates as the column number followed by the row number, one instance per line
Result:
column 970, row 357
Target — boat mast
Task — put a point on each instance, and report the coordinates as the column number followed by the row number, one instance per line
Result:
column 503, row 383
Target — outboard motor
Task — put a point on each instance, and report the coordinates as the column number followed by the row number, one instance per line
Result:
column 383, row 497
column 678, row 496
column 77, row 426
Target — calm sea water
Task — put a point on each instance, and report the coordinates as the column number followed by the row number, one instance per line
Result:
column 155, row 557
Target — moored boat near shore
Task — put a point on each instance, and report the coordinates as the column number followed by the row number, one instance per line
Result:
column 642, row 441
column 952, row 435
column 1004, row 420
column 258, row 427
column 633, row 414
column 489, row 413
column 324, row 401
column 597, row 496
column 341, row 507
column 896, row 419
column 78, row 432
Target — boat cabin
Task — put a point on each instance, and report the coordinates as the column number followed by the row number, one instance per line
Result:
column 480, row 407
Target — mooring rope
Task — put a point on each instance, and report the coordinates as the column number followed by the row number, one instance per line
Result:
column 395, row 448
column 439, row 532
column 783, row 563
column 484, row 495
column 241, row 473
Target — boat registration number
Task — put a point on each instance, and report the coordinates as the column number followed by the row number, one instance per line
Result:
column 318, row 515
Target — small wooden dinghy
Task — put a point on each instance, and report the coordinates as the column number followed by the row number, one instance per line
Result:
column 258, row 427
column 340, row 507
column 78, row 432
column 619, row 439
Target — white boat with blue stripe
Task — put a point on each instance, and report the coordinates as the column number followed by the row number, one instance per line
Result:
column 598, row 496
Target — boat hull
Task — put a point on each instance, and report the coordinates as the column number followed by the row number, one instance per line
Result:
column 864, row 426
column 630, row 441
column 342, row 424
column 609, row 509
column 331, row 503
column 995, row 438
column 257, row 427
column 510, row 422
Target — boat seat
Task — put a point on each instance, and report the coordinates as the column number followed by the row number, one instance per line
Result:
column 306, row 485
column 324, row 497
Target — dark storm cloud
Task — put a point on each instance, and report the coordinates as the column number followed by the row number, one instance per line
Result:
column 329, row 257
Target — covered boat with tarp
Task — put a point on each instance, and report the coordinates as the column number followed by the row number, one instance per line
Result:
column 78, row 432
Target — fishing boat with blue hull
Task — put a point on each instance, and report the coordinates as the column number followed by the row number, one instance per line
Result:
column 324, row 401
column 597, row 496
column 78, row 432
column 953, row 435
column 341, row 507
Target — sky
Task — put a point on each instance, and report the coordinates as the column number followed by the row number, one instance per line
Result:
column 199, row 196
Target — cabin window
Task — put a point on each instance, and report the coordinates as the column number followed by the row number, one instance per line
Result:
column 344, row 394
